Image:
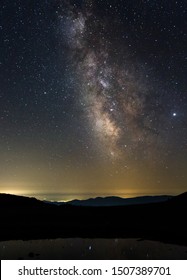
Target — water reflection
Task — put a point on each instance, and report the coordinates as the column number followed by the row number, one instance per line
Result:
column 78, row 248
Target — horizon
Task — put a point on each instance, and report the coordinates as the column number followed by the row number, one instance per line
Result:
column 70, row 197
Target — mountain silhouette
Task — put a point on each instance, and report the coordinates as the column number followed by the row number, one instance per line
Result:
column 118, row 201
column 29, row 218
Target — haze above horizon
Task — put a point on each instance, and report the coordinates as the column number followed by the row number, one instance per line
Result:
column 69, row 197
column 93, row 98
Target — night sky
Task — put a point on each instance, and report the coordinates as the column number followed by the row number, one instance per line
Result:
column 93, row 98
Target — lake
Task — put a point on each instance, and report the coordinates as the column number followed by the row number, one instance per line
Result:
column 79, row 248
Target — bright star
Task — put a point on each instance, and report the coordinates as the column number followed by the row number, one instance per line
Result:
column 174, row 114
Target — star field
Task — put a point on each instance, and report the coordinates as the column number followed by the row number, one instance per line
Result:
column 93, row 98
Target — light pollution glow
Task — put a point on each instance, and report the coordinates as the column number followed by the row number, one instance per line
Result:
column 108, row 124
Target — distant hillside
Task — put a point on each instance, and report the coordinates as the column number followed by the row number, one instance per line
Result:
column 118, row 201
column 157, row 218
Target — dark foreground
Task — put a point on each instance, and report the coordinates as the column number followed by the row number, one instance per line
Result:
column 91, row 249
column 28, row 219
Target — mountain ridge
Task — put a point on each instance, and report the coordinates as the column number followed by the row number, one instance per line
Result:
column 115, row 201
column 28, row 218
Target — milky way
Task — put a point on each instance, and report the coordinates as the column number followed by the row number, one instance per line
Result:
column 93, row 97
column 110, row 87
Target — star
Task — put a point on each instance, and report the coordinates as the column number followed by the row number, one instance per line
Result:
column 94, row 89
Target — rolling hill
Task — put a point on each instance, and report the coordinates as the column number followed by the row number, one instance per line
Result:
column 29, row 218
